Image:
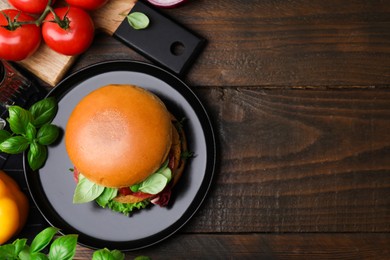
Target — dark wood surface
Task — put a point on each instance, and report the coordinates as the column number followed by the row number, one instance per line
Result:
column 298, row 93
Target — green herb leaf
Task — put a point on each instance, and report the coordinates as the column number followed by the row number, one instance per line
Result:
column 138, row 20
column 167, row 173
column 43, row 239
column 25, row 253
column 37, row 155
column 102, row 254
column 44, row 111
column 14, row 145
column 47, row 134
column 154, row 184
column 105, row 254
column 107, row 195
column 135, row 187
column 4, row 134
column 118, row 255
column 19, row 245
column 38, row 256
column 18, row 119
column 31, row 132
column 86, row 190
column 63, row 248
column 8, row 252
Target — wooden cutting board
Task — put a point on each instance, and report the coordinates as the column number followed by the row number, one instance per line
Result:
column 51, row 66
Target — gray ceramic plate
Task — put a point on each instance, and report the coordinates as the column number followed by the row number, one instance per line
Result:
column 52, row 186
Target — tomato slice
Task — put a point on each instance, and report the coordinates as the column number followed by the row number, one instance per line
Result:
column 75, row 174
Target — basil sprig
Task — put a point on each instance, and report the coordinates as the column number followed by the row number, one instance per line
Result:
column 31, row 129
column 63, row 247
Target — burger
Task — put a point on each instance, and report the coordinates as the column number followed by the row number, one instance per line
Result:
column 127, row 149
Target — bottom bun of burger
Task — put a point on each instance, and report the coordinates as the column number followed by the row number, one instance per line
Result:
column 126, row 148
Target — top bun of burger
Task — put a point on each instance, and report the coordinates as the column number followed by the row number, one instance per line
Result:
column 118, row 135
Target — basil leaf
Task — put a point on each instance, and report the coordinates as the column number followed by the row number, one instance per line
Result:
column 138, row 20
column 39, row 256
column 47, row 134
column 37, row 155
column 135, row 187
column 102, row 254
column 4, row 134
column 86, row 190
column 118, row 255
column 63, row 248
column 43, row 239
column 25, row 253
column 19, row 245
column 31, row 132
column 14, row 144
column 167, row 173
column 154, row 184
column 105, row 254
column 44, row 111
column 107, row 195
column 8, row 252
column 18, row 119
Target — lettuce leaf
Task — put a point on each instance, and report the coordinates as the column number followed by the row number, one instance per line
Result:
column 127, row 208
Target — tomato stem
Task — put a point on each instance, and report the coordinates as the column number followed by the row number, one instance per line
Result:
column 41, row 18
column 13, row 24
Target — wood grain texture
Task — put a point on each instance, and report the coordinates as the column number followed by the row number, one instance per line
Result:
column 299, row 161
column 262, row 246
column 108, row 18
column 284, row 43
column 292, row 43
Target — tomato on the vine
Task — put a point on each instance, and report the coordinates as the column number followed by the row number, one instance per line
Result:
column 30, row 6
column 87, row 4
column 18, row 40
column 72, row 35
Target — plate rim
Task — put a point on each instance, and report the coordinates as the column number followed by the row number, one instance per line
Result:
column 201, row 194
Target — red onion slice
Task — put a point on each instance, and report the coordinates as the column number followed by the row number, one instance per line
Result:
column 167, row 3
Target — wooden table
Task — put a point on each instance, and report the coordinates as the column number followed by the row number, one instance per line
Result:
column 298, row 94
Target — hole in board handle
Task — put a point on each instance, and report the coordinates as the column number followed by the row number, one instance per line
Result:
column 177, row 48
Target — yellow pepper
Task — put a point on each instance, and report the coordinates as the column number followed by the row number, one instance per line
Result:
column 14, row 208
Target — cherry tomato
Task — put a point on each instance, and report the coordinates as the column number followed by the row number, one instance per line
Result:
column 30, row 6
column 87, row 4
column 74, row 36
column 20, row 42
